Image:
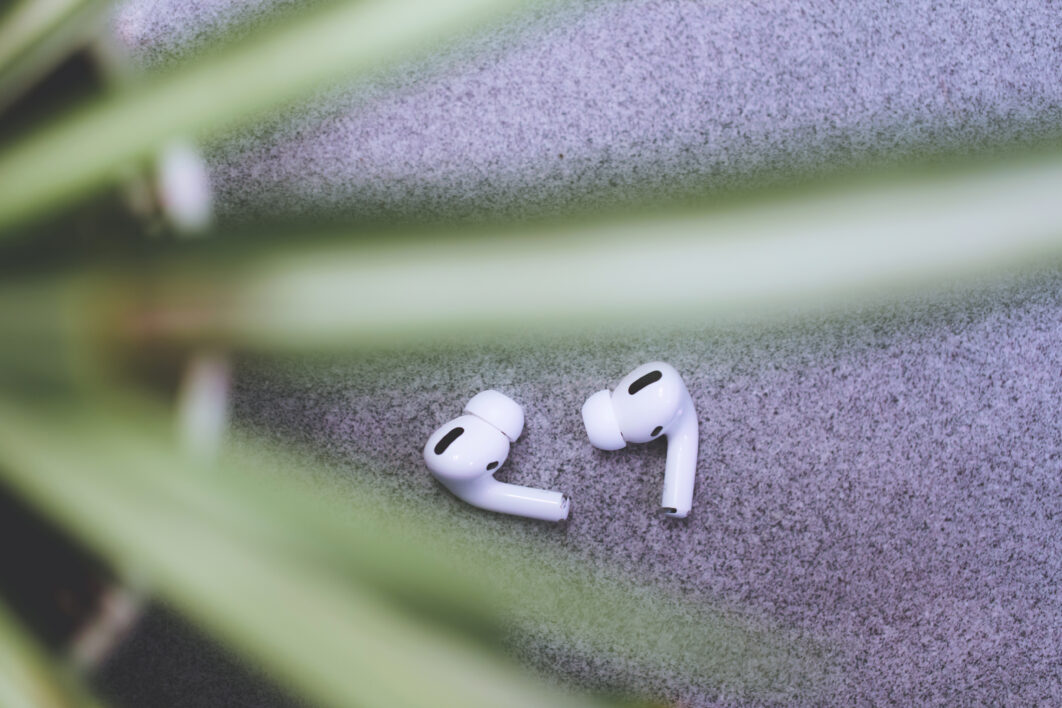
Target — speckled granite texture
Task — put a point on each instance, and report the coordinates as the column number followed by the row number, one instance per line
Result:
column 891, row 479
column 633, row 100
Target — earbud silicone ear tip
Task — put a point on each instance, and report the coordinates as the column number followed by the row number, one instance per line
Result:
column 599, row 417
column 499, row 410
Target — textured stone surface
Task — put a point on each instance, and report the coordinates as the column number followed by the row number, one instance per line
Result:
column 891, row 479
column 624, row 100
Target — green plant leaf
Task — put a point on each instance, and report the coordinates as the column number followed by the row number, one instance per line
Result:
column 339, row 41
column 28, row 677
column 37, row 34
column 761, row 259
column 335, row 642
column 259, row 559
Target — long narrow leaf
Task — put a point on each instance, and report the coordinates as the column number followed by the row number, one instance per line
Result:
column 36, row 34
column 673, row 269
column 759, row 258
column 192, row 531
column 340, row 41
column 334, row 641
column 28, row 678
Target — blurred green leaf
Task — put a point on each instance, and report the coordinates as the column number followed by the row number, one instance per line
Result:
column 28, row 677
column 350, row 598
column 339, row 41
column 771, row 259
column 336, row 642
column 37, row 34
column 259, row 558
column 674, row 268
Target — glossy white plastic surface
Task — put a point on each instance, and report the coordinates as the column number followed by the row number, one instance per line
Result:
column 650, row 402
column 499, row 410
column 464, row 454
column 599, row 417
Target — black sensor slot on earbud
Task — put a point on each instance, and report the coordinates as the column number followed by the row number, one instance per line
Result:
column 454, row 434
column 644, row 381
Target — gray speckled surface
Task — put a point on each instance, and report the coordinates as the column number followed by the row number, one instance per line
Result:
column 891, row 479
column 628, row 100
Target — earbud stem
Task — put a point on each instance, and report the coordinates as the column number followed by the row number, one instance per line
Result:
column 492, row 495
column 681, row 471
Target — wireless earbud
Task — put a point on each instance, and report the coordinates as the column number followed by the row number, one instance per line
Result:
column 649, row 402
column 465, row 453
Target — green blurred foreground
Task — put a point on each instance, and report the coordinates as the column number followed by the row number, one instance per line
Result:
column 343, row 597
column 345, row 600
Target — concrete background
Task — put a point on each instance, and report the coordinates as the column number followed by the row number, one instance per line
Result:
column 607, row 102
column 889, row 478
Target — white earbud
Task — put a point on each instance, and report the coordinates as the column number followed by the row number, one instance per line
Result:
column 465, row 453
column 649, row 402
